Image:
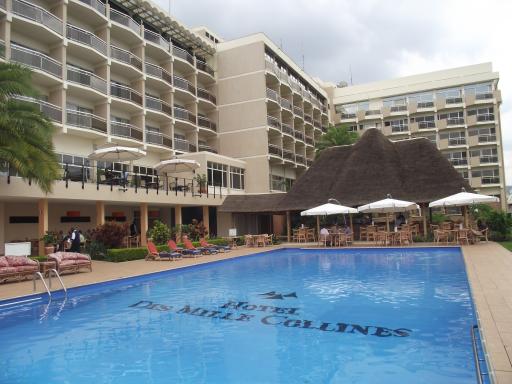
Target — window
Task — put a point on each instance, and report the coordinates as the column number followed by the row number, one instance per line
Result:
column 347, row 111
column 488, row 176
column 452, row 118
column 486, row 155
column 457, row 158
column 424, row 122
column 424, row 100
column 454, row 138
column 74, row 165
column 280, row 183
column 217, row 174
column 452, row 95
column 399, row 125
column 237, row 176
column 481, row 91
column 482, row 114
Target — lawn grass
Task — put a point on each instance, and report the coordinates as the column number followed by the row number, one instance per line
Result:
column 507, row 244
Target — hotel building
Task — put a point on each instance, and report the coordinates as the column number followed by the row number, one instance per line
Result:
column 457, row 109
column 125, row 72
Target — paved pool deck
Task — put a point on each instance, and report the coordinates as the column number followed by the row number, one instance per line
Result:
column 489, row 268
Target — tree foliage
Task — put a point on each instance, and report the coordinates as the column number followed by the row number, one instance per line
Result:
column 25, row 132
column 336, row 135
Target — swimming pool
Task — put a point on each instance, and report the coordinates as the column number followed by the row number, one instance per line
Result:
column 287, row 316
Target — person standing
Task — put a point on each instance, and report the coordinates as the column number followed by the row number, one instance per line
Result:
column 75, row 240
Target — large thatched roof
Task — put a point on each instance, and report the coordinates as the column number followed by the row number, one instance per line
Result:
column 413, row 170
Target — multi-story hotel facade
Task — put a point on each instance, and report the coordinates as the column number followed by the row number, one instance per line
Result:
column 457, row 109
column 126, row 73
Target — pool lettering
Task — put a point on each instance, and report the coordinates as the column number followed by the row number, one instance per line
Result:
column 274, row 316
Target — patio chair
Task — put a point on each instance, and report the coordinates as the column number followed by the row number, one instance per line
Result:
column 219, row 248
column 362, row 233
column 371, row 233
column 301, row 235
column 446, row 226
column 171, row 244
column 310, row 235
column 153, row 253
column 249, row 240
column 404, row 237
column 441, row 236
column 205, row 251
column 478, row 235
column 463, row 236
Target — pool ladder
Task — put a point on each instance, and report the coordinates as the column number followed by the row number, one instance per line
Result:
column 39, row 275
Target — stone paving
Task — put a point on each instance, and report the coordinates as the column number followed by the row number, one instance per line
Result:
column 489, row 268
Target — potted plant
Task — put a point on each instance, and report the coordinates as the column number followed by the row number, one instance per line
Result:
column 201, row 182
column 50, row 241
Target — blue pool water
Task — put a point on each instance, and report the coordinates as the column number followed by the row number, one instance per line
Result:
column 289, row 316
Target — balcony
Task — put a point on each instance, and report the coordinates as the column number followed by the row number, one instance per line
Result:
column 298, row 111
column 454, row 121
column 275, row 150
column 325, row 128
column 183, row 54
column 205, row 95
column 272, row 68
column 124, row 20
column 202, row 66
column 425, row 104
column 158, row 138
column 183, row 145
column 125, row 130
column 273, row 122
column 347, row 116
column 158, row 72
column 184, row 84
column 204, row 122
column 317, row 124
column 309, row 140
column 372, row 112
column 456, row 162
column 206, row 148
column 287, row 129
column 398, row 108
column 484, row 139
column 184, row 115
column 402, row 128
column 273, row 95
column 485, row 117
column 488, row 160
column 88, row 79
column 426, row 124
column 86, row 120
column 298, row 135
column 490, row 180
column 124, row 92
column 36, row 60
column 308, row 118
column 300, row 159
column 86, row 38
column 156, row 39
column 37, row 14
column 159, row 105
column 453, row 100
column 286, row 104
column 288, row 155
column 96, row 5
column 457, row 141
column 51, row 111
column 126, row 57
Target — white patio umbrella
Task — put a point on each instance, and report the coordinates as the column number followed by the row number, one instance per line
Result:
column 327, row 209
column 176, row 166
column 389, row 205
column 117, row 153
column 463, row 199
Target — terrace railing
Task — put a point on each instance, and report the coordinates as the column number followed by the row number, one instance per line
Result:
column 183, row 54
column 273, row 122
column 181, row 83
column 158, row 105
column 37, row 14
column 36, row 60
column 205, row 95
column 182, row 145
column 272, row 95
column 275, row 150
column 86, row 120
column 126, row 130
column 125, row 20
column 202, row 66
column 185, row 115
column 157, row 39
column 159, row 72
column 158, row 138
column 125, row 92
column 126, row 57
column 204, row 122
column 52, row 111
column 89, row 79
column 87, row 38
column 95, row 4
column 287, row 128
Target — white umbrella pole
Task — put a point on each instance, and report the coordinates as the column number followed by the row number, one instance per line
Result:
column 318, row 228
column 387, row 221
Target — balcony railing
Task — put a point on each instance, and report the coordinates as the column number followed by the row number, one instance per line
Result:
column 457, row 141
column 183, row 54
column 86, row 120
column 37, row 14
column 453, row 100
column 126, row 57
column 298, row 135
column 484, row 96
column 202, row 66
column 317, row 124
column 308, row 118
column 485, row 117
column 273, row 122
column 298, row 111
column 183, row 114
column 127, row 130
column 455, row 121
column 158, row 138
column 426, row 124
column 288, row 155
column 425, row 104
column 486, row 138
column 87, row 38
column 125, row 92
column 181, row 83
column 156, row 39
column 95, row 4
column 206, row 148
column 309, row 140
column 399, row 128
column 89, row 79
column 372, row 112
column 53, row 112
column 204, row 94
column 158, row 105
column 272, row 95
column 287, row 128
column 398, row 108
column 490, row 180
column 348, row 115
column 275, row 150
column 125, row 20
column 156, row 71
column 325, row 128
column 457, row 162
column 286, row 104
column 182, row 145
column 300, row 159
column 488, row 159
column 35, row 59
column 204, row 122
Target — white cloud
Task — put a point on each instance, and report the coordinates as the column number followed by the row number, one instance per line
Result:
column 377, row 39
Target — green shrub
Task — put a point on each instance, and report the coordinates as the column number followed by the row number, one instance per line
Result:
column 438, row 218
column 96, row 250
column 498, row 222
column 422, row 239
column 110, row 234
column 39, row 258
column 160, row 233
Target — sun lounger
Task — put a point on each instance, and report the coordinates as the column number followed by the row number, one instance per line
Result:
column 205, row 251
column 219, row 248
column 153, row 253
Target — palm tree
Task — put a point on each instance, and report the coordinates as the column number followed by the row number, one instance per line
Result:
column 25, row 132
column 336, row 135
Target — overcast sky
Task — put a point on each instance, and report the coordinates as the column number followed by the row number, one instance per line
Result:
column 377, row 40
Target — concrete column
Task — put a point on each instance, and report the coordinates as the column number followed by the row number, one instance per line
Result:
column 143, row 224
column 206, row 218
column 288, row 227
column 42, row 211
column 100, row 213
column 178, row 221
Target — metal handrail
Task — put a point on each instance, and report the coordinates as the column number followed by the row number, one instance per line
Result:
column 37, row 14
column 54, row 271
column 157, row 71
column 96, row 4
column 85, row 37
column 79, row 76
column 40, row 275
column 181, row 83
column 126, row 57
column 157, row 39
column 183, row 54
column 35, row 59
column 125, row 20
